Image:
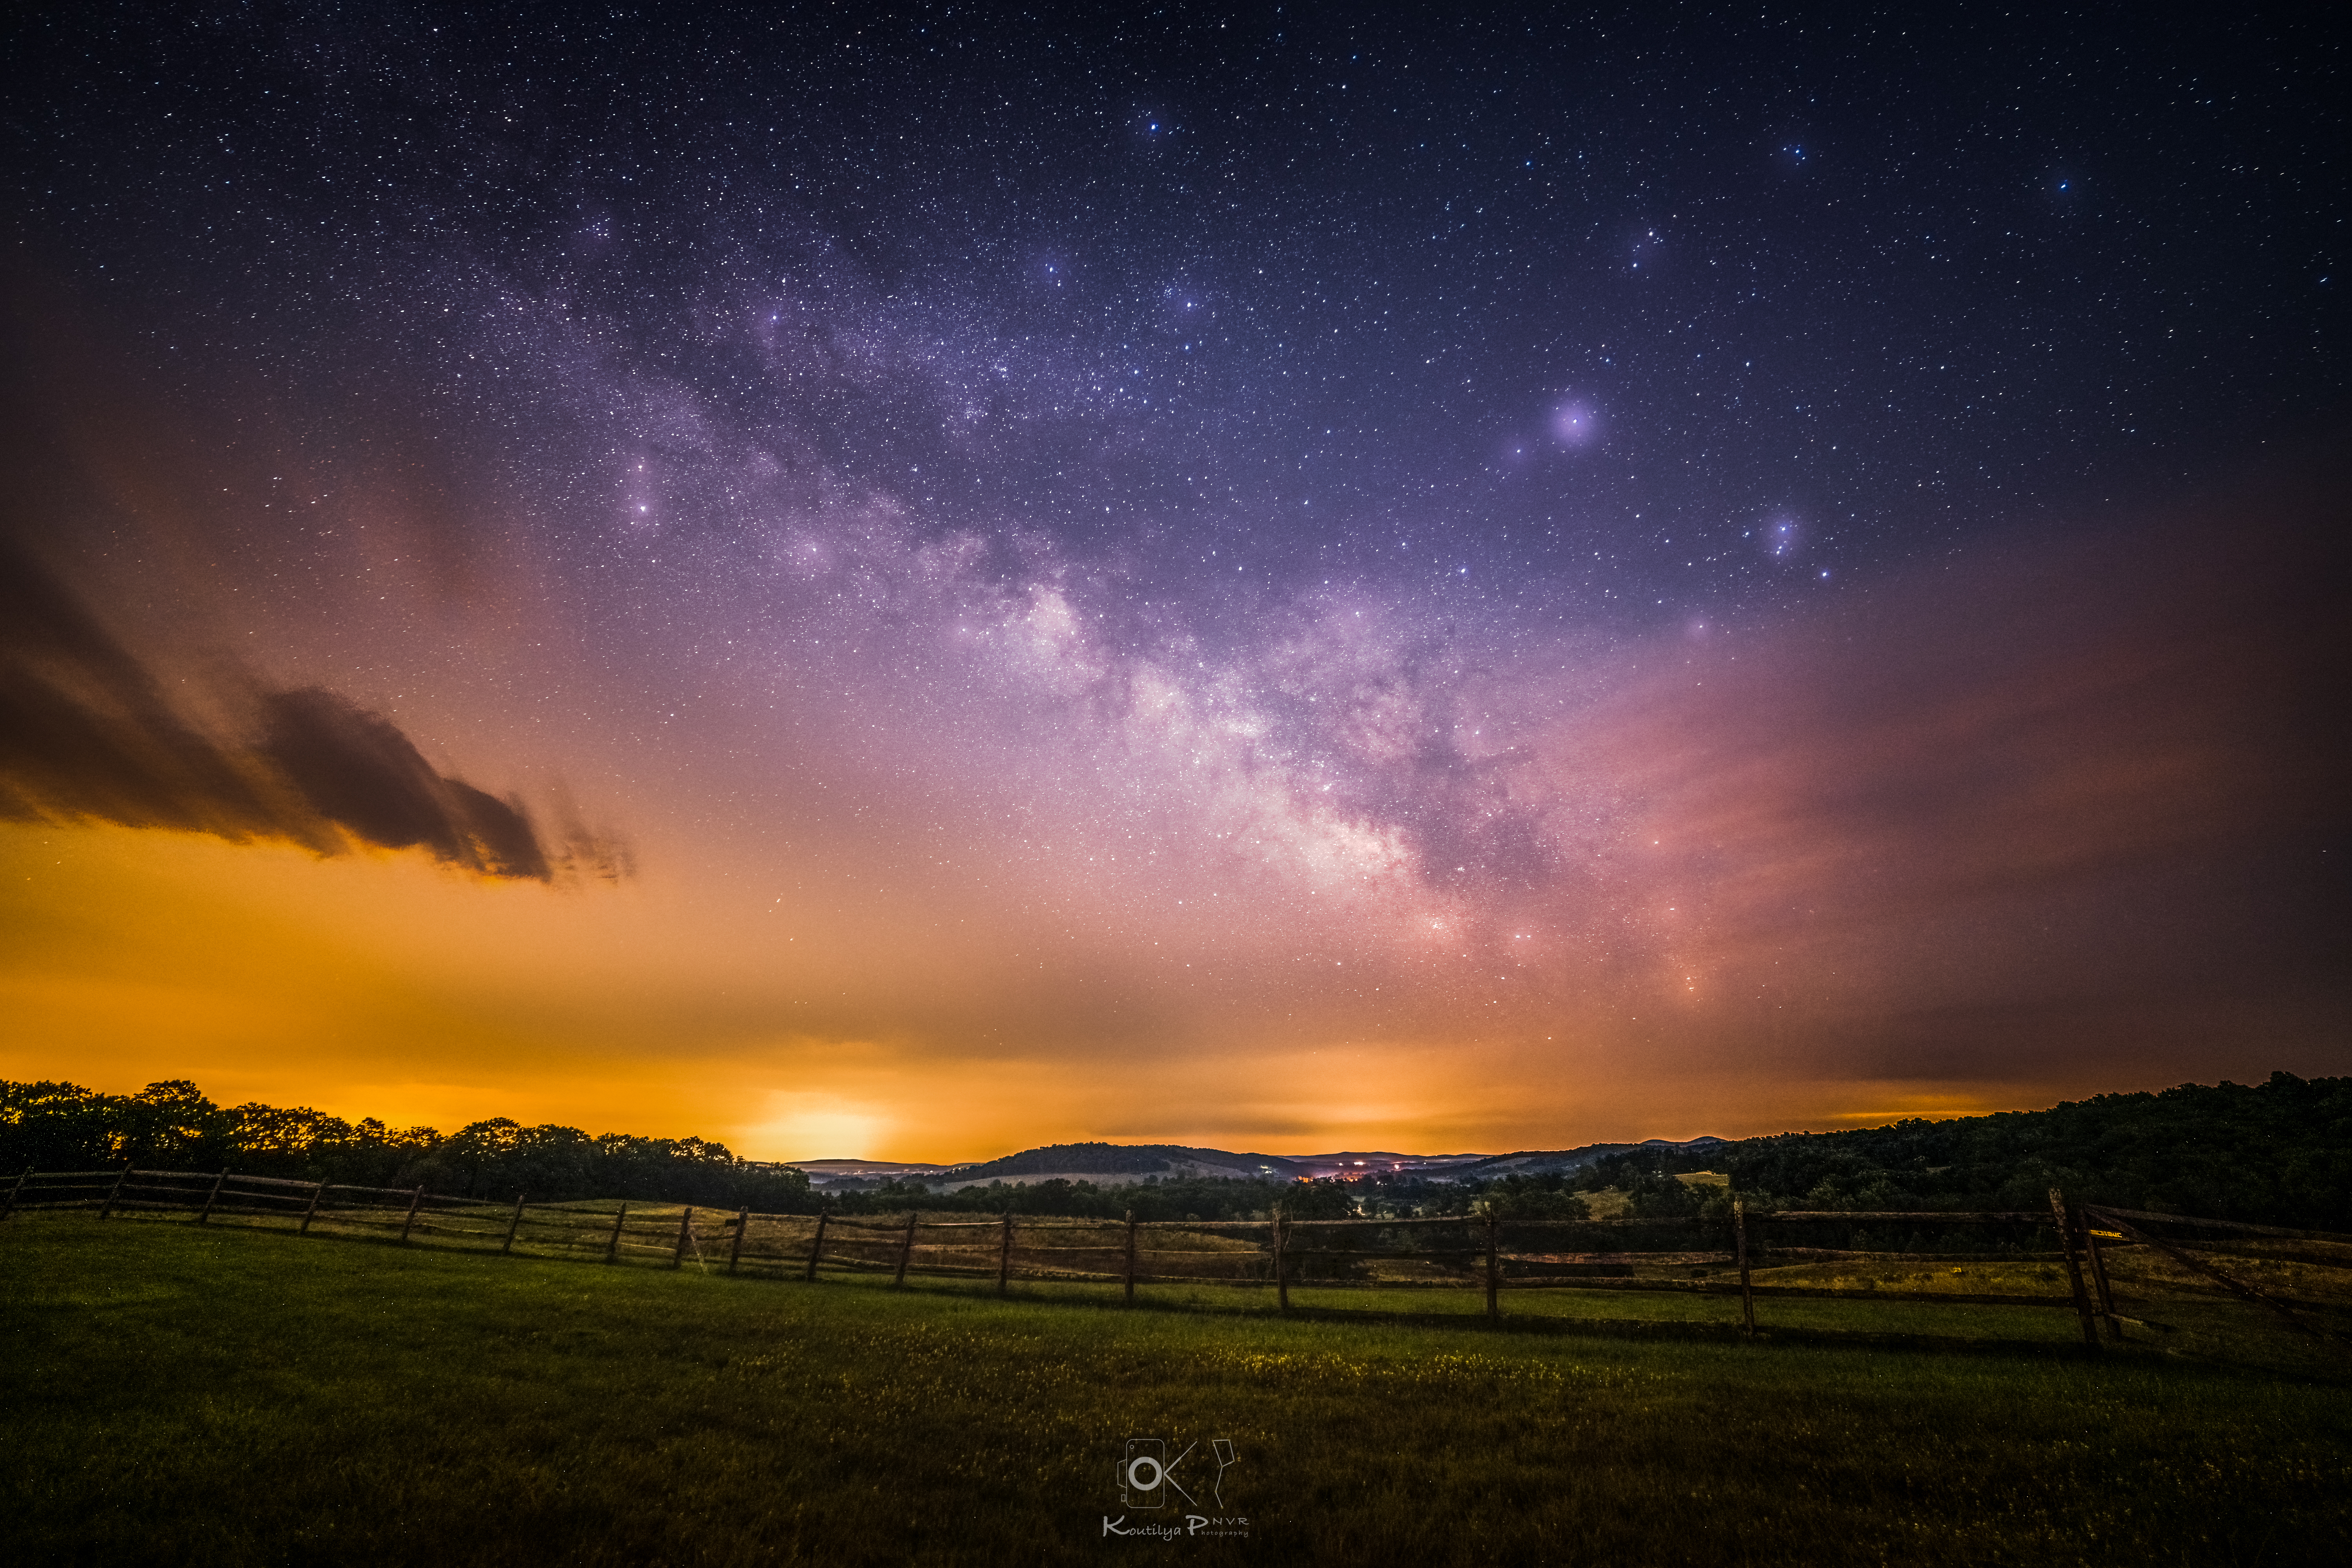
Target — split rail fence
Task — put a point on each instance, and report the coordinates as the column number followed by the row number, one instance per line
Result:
column 1718, row 1256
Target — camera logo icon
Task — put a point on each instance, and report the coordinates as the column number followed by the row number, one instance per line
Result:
column 1146, row 1474
column 1144, row 1478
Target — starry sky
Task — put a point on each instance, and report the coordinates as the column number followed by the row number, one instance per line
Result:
column 913, row 582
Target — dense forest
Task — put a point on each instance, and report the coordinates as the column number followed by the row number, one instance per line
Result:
column 2279, row 1153
column 173, row 1126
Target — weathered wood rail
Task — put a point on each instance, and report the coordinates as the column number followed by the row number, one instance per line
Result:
column 1494, row 1253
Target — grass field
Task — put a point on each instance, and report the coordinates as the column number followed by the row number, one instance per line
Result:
column 178, row 1395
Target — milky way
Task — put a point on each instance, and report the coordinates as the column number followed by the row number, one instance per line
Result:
column 1278, row 575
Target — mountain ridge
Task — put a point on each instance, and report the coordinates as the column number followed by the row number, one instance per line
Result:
column 1136, row 1162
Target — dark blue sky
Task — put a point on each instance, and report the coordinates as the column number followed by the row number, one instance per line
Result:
column 1307, row 284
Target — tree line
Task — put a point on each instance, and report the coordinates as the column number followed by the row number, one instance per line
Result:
column 172, row 1125
column 2277, row 1153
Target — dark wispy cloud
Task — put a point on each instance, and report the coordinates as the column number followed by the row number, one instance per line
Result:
column 87, row 733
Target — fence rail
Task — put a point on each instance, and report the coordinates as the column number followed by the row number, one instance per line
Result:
column 1490, row 1252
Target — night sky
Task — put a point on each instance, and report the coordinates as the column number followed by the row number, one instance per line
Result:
column 910, row 584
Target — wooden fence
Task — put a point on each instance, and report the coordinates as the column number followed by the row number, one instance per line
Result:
column 1714, row 1255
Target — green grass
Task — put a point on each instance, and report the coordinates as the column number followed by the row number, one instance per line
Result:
column 170, row 1394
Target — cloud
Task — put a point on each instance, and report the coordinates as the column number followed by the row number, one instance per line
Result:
column 358, row 770
column 85, row 730
column 86, row 733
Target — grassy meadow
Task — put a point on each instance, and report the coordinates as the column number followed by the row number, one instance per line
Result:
column 237, row 1395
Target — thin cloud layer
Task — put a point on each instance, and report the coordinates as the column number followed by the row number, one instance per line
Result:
column 2084, row 805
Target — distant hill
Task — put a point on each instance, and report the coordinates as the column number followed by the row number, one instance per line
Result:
column 1125, row 1160
column 1177, row 1161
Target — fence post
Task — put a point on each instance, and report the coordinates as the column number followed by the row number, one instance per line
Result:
column 1281, row 1272
column 905, row 1251
column 514, row 1225
column 1130, row 1257
column 1739, row 1238
column 1005, row 1256
column 685, row 1235
column 211, row 1197
column 2099, row 1279
column 2074, row 1268
column 409, row 1224
column 742, row 1224
column 19, row 1188
column 612, row 1242
column 317, row 1191
column 1493, row 1268
column 115, row 1191
column 816, row 1244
